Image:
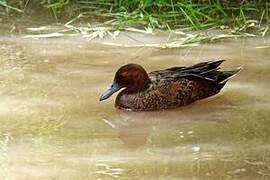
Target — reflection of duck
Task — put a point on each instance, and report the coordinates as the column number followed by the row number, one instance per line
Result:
column 131, row 133
column 169, row 88
column 135, row 129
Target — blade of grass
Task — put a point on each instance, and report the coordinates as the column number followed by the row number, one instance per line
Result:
column 4, row 4
column 188, row 17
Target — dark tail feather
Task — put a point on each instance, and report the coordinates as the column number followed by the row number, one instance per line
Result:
column 224, row 76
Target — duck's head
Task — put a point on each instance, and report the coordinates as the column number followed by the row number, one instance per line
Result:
column 132, row 77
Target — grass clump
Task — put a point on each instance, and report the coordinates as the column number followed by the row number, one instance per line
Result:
column 195, row 14
column 174, row 14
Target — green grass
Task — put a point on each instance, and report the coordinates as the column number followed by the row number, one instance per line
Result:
column 163, row 14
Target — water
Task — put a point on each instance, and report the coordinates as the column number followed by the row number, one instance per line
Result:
column 54, row 127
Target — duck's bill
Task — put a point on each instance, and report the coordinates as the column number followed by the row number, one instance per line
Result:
column 114, row 88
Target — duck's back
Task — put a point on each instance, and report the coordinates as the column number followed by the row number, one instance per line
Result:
column 176, row 87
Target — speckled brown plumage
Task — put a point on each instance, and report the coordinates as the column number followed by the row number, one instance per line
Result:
column 168, row 88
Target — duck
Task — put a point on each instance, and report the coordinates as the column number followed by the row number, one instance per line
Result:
column 168, row 88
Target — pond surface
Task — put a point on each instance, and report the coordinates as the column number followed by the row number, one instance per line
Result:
column 54, row 127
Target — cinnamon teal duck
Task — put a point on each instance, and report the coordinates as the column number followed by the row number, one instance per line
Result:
column 168, row 88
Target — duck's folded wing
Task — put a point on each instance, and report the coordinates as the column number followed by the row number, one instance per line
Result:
column 208, row 71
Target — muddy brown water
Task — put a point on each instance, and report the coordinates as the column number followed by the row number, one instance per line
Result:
column 54, row 127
